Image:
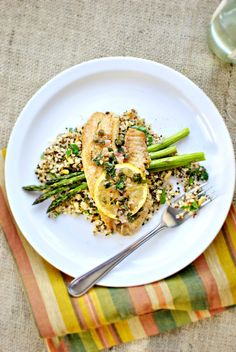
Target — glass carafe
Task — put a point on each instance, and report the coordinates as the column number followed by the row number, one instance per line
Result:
column 222, row 31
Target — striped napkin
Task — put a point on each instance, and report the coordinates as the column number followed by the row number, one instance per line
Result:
column 105, row 317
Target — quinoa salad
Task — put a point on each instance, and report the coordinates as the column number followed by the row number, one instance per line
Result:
column 61, row 172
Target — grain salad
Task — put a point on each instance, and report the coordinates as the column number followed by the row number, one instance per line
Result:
column 61, row 171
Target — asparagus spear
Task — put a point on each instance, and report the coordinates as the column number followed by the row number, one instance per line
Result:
column 68, row 181
column 173, row 162
column 51, row 193
column 63, row 177
column 61, row 183
column 169, row 140
column 62, row 198
column 35, row 187
column 164, row 152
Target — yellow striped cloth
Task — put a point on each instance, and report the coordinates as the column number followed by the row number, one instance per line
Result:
column 105, row 317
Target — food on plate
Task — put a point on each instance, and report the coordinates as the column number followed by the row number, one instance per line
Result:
column 99, row 134
column 116, row 171
column 127, row 189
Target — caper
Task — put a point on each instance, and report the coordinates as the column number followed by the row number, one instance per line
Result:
column 101, row 133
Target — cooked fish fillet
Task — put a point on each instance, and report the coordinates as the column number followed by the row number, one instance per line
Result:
column 135, row 143
column 90, row 150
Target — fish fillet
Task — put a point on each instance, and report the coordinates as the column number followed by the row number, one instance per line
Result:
column 135, row 143
column 90, row 150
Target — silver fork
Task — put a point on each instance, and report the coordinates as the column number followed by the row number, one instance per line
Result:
column 170, row 218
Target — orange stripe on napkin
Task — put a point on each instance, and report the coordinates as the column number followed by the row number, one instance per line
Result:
column 140, row 299
column 208, row 281
column 21, row 257
column 149, row 324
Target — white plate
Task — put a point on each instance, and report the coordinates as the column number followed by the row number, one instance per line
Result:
column 166, row 99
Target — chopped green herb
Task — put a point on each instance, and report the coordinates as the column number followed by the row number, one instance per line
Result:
column 140, row 128
column 68, row 152
column 70, row 129
column 143, row 129
column 74, row 148
column 191, row 181
column 200, row 173
column 204, row 176
column 163, row 196
column 42, row 156
column 149, row 139
column 98, row 159
column 120, row 184
column 108, row 165
column 194, row 206
column 110, row 169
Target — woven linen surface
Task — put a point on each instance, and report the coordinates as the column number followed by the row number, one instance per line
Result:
column 41, row 38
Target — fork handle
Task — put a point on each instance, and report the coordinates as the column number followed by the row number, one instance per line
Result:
column 83, row 283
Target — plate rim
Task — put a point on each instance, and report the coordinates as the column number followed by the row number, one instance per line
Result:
column 79, row 66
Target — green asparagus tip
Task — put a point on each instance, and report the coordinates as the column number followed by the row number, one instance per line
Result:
column 163, row 152
column 35, row 188
column 62, row 198
column 176, row 161
column 169, row 140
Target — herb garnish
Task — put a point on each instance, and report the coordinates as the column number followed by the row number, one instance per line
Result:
column 149, row 139
column 190, row 181
column 74, row 148
column 143, row 129
column 140, row 128
column 194, row 206
column 110, row 169
column 120, row 184
column 200, row 173
column 98, row 159
column 68, row 152
column 163, row 196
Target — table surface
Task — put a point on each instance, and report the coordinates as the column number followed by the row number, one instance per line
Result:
column 40, row 38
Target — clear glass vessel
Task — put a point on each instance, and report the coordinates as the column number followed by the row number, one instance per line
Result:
column 222, row 31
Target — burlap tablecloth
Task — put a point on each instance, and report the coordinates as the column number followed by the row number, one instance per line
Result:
column 41, row 38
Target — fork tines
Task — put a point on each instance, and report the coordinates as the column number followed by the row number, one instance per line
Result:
column 198, row 191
